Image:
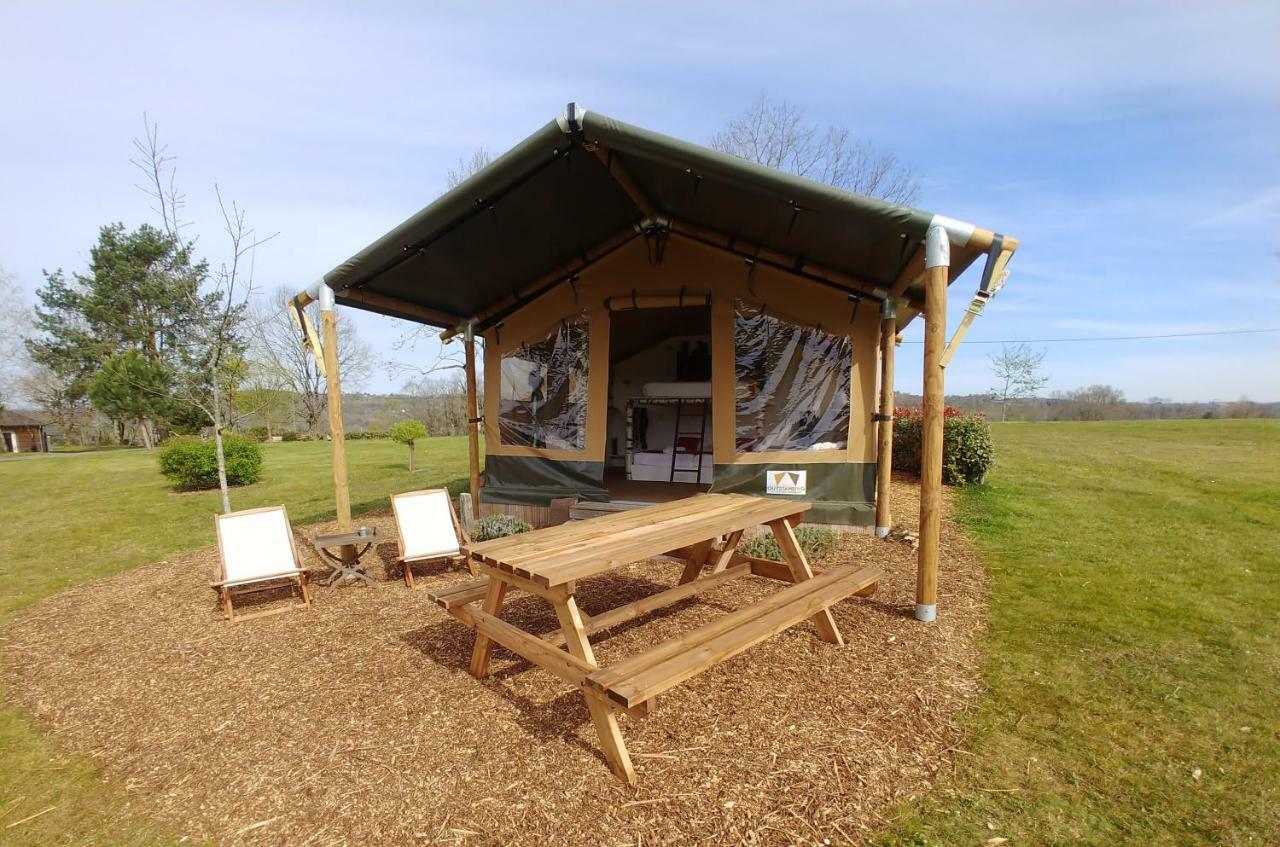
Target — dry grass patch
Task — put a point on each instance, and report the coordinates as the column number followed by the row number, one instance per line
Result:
column 356, row 721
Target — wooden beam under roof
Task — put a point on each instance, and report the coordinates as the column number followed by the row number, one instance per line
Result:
column 358, row 297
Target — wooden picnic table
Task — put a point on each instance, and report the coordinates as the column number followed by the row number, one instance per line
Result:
column 700, row 532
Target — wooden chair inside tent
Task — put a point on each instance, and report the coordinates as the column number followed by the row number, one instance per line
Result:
column 428, row 530
column 256, row 546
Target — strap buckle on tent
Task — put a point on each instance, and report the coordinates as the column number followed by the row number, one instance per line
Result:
column 994, row 274
column 880, row 417
column 795, row 213
column 476, row 420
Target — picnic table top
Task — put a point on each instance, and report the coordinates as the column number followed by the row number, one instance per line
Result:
column 561, row 554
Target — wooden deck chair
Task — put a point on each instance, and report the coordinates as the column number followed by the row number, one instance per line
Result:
column 256, row 546
column 428, row 530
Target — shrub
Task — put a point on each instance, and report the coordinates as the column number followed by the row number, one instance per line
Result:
column 498, row 526
column 406, row 432
column 191, row 463
column 814, row 541
column 289, row 436
column 258, row 432
column 367, row 435
column 967, row 453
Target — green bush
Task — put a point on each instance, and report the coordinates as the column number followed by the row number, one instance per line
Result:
column 367, row 435
column 191, row 463
column 967, row 452
column 258, row 432
column 498, row 526
column 814, row 541
column 289, row 436
column 408, row 431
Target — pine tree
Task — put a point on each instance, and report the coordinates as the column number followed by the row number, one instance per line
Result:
column 140, row 294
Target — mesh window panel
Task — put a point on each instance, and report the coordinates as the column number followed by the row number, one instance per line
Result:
column 792, row 384
column 543, row 396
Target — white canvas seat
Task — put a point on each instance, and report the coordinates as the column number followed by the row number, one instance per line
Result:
column 256, row 546
column 428, row 529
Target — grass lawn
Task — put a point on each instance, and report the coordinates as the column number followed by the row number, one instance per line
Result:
column 74, row 518
column 1132, row 669
column 1134, row 637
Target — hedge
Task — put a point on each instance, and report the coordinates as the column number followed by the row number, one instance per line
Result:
column 191, row 463
column 967, row 452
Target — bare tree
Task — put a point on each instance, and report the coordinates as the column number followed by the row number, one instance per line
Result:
column 212, row 348
column 281, row 362
column 776, row 133
column 440, row 402
column 1091, row 403
column 15, row 326
column 1017, row 371
column 59, row 398
column 468, row 167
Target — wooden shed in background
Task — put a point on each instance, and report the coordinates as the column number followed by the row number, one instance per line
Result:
column 22, row 433
column 660, row 319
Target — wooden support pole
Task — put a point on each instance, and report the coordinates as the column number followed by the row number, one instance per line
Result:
column 473, row 420
column 333, row 382
column 937, row 268
column 884, row 431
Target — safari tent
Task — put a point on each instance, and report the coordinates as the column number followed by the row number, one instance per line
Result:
column 660, row 319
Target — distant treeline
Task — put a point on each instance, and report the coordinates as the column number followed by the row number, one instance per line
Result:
column 1102, row 403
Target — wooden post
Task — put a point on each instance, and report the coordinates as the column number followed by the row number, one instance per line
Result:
column 473, row 419
column 884, row 435
column 329, row 341
column 937, row 268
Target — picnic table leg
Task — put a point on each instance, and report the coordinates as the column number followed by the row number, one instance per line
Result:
column 800, row 571
column 725, row 554
column 697, row 558
column 484, row 647
column 575, row 637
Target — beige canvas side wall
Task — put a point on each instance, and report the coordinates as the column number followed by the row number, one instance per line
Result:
column 697, row 269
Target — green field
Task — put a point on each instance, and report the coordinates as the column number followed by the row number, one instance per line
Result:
column 1132, row 659
column 1133, row 664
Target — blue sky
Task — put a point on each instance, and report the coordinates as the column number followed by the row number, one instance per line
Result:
column 1134, row 148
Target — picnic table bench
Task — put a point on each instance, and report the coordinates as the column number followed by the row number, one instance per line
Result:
column 703, row 533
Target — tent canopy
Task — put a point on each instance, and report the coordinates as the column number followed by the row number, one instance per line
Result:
column 584, row 181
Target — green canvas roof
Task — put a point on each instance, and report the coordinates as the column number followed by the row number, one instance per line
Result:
column 551, row 199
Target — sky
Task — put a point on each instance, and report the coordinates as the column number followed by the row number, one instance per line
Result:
column 1133, row 148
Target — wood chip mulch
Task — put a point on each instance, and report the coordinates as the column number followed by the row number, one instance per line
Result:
column 356, row 722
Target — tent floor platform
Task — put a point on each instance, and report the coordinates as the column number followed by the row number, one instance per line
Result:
column 649, row 491
column 633, row 493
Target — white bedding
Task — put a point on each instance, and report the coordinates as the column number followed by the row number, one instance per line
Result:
column 699, row 390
